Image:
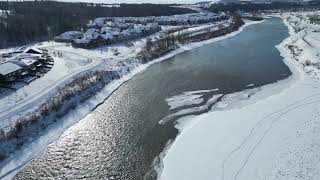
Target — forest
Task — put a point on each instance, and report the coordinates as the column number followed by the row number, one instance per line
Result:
column 253, row 7
column 32, row 21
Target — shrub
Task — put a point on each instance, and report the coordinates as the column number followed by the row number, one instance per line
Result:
column 308, row 63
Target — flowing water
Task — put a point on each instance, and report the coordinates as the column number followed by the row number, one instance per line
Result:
column 121, row 138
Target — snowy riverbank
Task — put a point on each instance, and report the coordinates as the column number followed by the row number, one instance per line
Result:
column 271, row 132
column 14, row 164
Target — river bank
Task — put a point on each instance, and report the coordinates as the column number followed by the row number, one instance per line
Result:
column 53, row 131
column 121, row 137
column 270, row 132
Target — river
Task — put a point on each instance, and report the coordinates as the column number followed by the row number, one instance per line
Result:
column 121, row 138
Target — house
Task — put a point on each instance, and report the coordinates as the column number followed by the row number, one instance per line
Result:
column 68, row 36
column 26, row 63
column 9, row 70
column 33, row 51
column 97, row 23
column 88, row 38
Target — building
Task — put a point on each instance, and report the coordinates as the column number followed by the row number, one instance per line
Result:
column 68, row 36
column 33, row 51
column 9, row 70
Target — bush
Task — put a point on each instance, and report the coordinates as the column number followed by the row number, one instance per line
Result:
column 308, row 63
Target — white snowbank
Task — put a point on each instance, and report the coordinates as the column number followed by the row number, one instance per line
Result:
column 184, row 100
column 28, row 152
column 192, row 110
column 270, row 132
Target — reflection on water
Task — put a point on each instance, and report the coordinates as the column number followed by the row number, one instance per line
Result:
column 121, row 138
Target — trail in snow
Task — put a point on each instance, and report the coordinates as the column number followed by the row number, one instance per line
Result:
column 252, row 149
column 281, row 112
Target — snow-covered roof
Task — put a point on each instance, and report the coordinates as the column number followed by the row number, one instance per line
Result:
column 107, row 36
column 98, row 22
column 27, row 61
column 91, row 32
column 89, row 35
column 110, row 24
column 33, row 50
column 8, row 68
column 105, row 30
column 26, row 55
column 69, row 35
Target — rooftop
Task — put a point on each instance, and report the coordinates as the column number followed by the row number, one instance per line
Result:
column 8, row 68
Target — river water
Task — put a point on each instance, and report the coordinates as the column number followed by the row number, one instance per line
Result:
column 121, row 138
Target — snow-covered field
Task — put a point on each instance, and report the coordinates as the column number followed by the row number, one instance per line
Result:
column 271, row 132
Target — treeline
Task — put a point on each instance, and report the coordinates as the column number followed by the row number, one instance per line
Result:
column 315, row 19
column 253, row 7
column 156, row 48
column 28, row 21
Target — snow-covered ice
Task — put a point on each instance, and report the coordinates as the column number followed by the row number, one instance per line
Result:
column 271, row 132
column 184, row 100
column 187, row 98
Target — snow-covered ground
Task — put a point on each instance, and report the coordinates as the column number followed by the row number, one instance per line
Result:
column 271, row 132
column 70, row 62
column 25, row 99
column 201, row 29
column 68, row 65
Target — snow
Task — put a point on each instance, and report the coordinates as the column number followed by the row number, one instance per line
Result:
column 250, row 85
column 3, row 13
column 132, row 27
column 192, row 110
column 184, row 19
column 28, row 97
column 270, row 132
column 187, row 98
column 27, row 62
column 73, row 62
column 89, row 35
column 69, row 35
column 201, row 29
column 98, row 22
column 8, row 67
column 184, row 100
column 113, row 31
